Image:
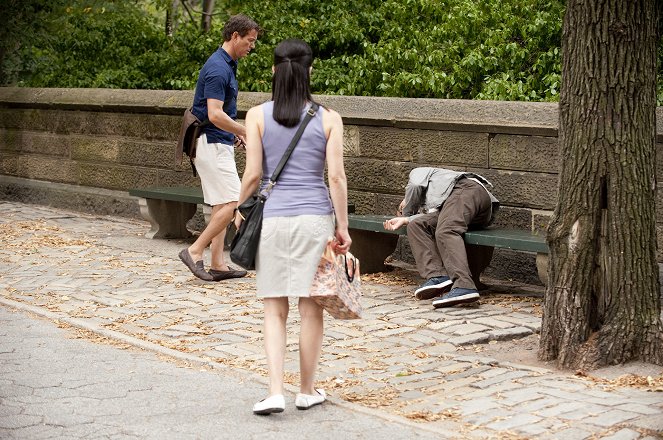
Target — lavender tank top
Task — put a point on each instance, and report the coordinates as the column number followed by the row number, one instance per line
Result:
column 300, row 189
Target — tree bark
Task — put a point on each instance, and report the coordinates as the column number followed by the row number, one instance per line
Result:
column 602, row 304
column 171, row 14
column 208, row 8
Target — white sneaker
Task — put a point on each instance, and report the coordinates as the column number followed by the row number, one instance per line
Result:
column 306, row 401
column 272, row 404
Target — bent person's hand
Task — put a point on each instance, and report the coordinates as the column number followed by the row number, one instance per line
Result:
column 395, row 223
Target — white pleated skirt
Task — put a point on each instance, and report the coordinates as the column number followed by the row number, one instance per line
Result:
column 289, row 252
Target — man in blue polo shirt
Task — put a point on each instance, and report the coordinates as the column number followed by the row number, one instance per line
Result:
column 216, row 99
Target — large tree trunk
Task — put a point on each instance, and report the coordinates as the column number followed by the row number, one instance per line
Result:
column 602, row 303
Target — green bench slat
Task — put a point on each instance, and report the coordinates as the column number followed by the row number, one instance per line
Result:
column 175, row 194
column 372, row 223
column 508, row 239
column 181, row 194
column 503, row 238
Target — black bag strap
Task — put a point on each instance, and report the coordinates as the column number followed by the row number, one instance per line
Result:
column 309, row 115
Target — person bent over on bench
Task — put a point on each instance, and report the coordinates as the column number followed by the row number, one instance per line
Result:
column 440, row 205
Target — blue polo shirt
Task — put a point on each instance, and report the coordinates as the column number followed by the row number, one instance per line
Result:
column 217, row 80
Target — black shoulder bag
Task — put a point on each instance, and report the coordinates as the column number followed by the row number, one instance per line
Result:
column 244, row 246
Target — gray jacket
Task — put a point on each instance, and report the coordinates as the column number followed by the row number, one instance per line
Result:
column 428, row 188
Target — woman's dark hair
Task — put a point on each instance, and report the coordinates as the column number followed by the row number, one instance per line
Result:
column 291, row 87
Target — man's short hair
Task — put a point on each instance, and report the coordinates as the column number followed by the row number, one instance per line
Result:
column 241, row 24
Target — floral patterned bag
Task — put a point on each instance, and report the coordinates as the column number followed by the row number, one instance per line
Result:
column 336, row 284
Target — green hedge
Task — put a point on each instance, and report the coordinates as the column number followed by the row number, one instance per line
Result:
column 494, row 49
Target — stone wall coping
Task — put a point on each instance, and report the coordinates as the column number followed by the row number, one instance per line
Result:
column 509, row 117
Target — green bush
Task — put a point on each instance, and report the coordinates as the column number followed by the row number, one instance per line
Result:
column 495, row 49
column 501, row 49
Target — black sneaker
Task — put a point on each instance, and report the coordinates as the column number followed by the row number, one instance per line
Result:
column 433, row 287
column 458, row 295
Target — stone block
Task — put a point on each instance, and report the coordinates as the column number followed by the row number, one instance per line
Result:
column 72, row 197
column 510, row 333
column 540, row 221
column 9, row 164
column 474, row 338
column 525, row 153
column 240, row 161
column 510, row 217
column 365, row 202
column 36, row 142
column 54, row 169
column 125, row 151
column 351, row 140
column 377, row 175
column 177, row 178
column 145, row 126
column 8, row 140
column 522, row 189
column 610, row 418
column 116, row 177
column 513, row 265
column 387, row 204
column 659, row 162
column 514, row 422
column 424, row 146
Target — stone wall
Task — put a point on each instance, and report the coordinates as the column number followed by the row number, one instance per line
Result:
column 84, row 148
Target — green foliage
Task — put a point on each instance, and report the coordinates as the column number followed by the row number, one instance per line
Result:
column 110, row 44
column 499, row 49
column 494, row 49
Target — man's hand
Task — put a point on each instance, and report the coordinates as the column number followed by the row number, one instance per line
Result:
column 395, row 223
column 240, row 142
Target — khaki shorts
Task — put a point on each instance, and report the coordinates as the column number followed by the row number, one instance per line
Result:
column 216, row 167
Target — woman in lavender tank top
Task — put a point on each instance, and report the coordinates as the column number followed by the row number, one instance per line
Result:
column 299, row 215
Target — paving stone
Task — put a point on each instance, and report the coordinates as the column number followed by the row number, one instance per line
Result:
column 653, row 423
column 573, row 434
column 610, row 418
column 514, row 422
column 640, row 409
column 492, row 322
column 497, row 379
column 18, row 421
column 510, row 333
column 519, row 396
column 586, row 411
column 558, row 410
column 474, row 338
column 477, row 406
column 623, row 434
column 489, row 416
column 467, row 329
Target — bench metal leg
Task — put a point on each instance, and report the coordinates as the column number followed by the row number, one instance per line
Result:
column 372, row 248
column 168, row 218
column 478, row 258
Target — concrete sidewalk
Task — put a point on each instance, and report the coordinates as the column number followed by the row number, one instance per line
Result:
column 404, row 361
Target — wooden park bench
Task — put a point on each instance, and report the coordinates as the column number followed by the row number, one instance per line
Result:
column 169, row 209
column 372, row 244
